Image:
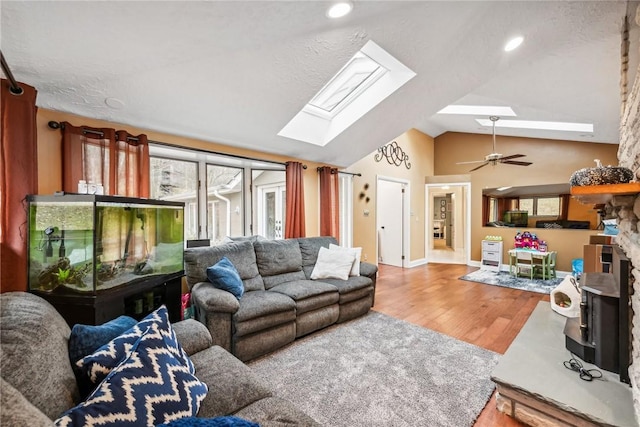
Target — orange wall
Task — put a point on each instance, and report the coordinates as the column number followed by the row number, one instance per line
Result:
column 49, row 157
column 553, row 162
column 419, row 147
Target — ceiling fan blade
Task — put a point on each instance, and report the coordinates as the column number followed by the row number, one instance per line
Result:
column 512, row 162
column 468, row 163
column 513, row 156
column 478, row 167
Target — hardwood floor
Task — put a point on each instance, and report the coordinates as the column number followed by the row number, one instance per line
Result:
column 432, row 296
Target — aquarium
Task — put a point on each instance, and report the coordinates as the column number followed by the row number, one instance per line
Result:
column 92, row 243
column 517, row 218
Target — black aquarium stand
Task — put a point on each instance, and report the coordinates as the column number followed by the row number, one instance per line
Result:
column 135, row 299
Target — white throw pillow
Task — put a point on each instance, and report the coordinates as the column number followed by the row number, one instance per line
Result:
column 332, row 264
column 355, row 268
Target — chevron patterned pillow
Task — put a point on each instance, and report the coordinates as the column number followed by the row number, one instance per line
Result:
column 92, row 369
column 150, row 386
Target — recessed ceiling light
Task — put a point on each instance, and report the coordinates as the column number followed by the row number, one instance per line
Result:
column 502, row 188
column 513, row 43
column 532, row 124
column 478, row 110
column 338, row 10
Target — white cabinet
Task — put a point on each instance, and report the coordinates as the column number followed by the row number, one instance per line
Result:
column 491, row 255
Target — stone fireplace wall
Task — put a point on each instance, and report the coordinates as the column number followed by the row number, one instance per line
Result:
column 628, row 207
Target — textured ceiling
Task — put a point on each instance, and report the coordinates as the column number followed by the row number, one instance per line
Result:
column 236, row 72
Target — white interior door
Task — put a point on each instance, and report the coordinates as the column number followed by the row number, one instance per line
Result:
column 390, row 202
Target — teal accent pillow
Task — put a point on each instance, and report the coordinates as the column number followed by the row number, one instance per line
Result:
column 223, row 421
column 85, row 339
column 92, row 369
column 224, row 275
column 150, row 386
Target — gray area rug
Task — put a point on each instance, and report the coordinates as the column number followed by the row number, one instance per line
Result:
column 380, row 371
column 506, row 280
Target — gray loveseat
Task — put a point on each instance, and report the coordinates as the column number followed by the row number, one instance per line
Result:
column 38, row 384
column 280, row 303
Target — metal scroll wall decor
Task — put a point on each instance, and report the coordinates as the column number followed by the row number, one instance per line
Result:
column 394, row 155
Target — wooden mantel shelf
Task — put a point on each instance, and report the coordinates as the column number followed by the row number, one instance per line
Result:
column 601, row 194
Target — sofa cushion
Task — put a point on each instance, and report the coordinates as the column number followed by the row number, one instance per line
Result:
column 262, row 303
column 309, row 247
column 34, row 354
column 17, row 411
column 353, row 288
column 302, row 289
column 94, row 368
column 278, row 257
column 279, row 261
column 241, row 254
column 223, row 275
column 233, row 385
column 274, row 411
column 149, row 386
column 85, row 339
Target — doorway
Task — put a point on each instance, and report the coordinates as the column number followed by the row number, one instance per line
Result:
column 391, row 218
column 447, row 227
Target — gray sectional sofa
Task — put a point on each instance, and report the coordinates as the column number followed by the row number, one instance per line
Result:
column 281, row 302
column 37, row 383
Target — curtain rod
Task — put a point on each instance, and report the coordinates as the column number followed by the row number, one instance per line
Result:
column 237, row 156
column 15, row 87
column 57, row 125
column 343, row 172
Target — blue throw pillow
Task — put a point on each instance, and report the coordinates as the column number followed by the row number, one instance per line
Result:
column 92, row 369
column 228, row 421
column 150, row 386
column 85, row 339
column 224, row 276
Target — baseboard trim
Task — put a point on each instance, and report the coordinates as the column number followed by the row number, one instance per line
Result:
column 417, row 262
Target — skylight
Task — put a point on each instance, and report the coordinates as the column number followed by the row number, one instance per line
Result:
column 369, row 77
column 478, row 110
column 354, row 78
column 531, row 124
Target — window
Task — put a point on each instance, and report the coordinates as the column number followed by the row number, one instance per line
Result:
column 541, row 206
column 270, row 203
column 225, row 202
column 216, row 191
column 493, row 209
column 177, row 180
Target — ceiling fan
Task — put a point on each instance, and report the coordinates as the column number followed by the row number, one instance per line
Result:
column 495, row 158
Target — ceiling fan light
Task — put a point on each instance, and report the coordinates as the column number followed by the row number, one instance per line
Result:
column 513, row 43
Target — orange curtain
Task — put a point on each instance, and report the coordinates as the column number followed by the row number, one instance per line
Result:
column 18, row 178
column 294, row 221
column 117, row 160
column 329, row 202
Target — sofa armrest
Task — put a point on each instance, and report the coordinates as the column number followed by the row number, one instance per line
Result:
column 371, row 271
column 210, row 299
column 215, row 308
column 368, row 269
column 192, row 335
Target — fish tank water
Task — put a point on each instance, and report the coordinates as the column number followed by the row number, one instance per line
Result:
column 93, row 243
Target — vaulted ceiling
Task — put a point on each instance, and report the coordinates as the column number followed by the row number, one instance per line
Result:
column 236, row 72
